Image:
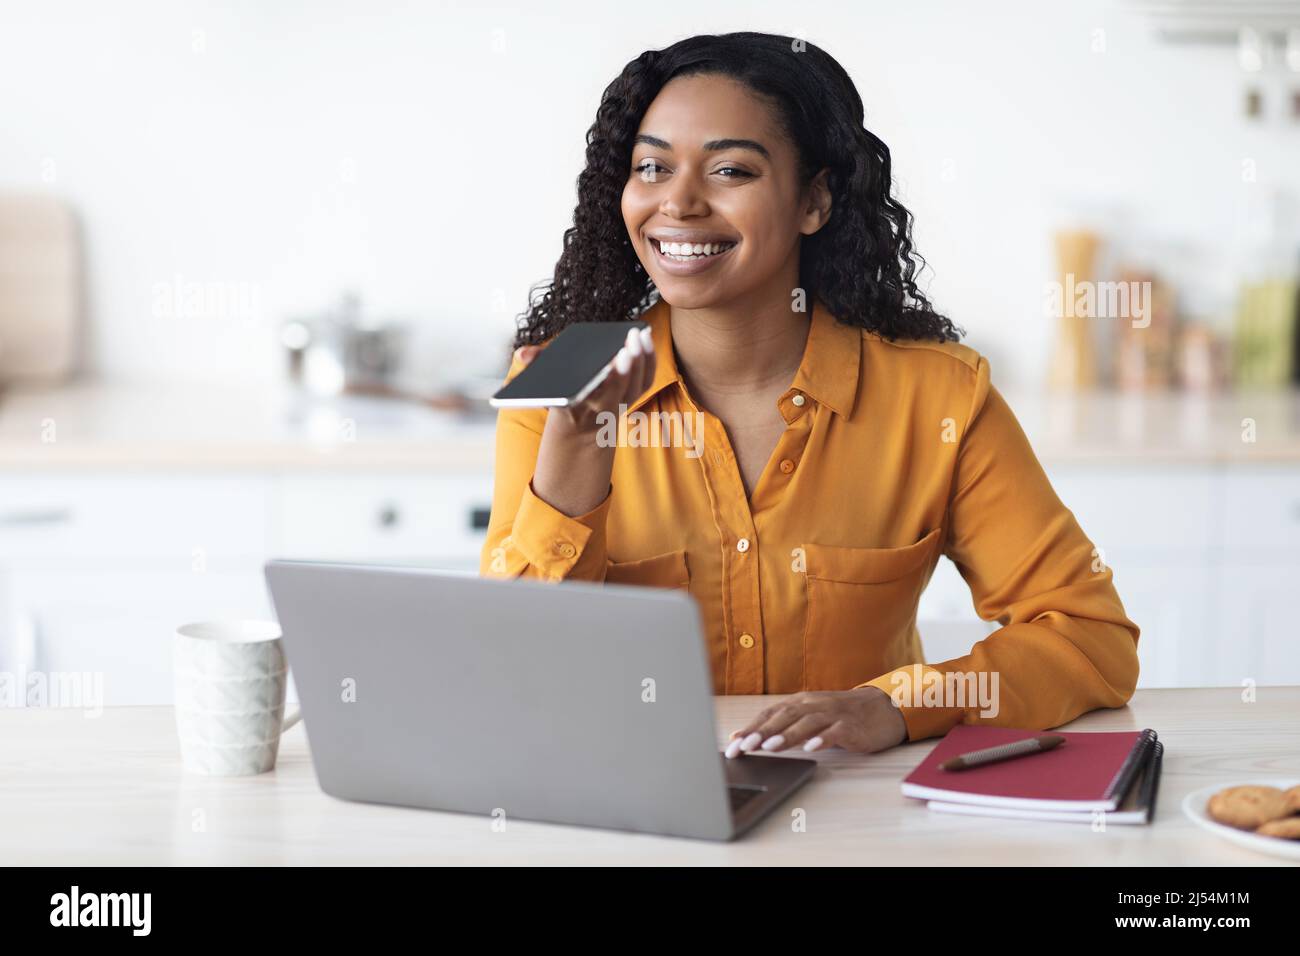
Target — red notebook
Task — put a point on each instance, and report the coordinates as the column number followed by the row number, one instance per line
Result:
column 1090, row 771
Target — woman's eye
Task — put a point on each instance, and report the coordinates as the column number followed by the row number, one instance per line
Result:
column 735, row 173
column 649, row 170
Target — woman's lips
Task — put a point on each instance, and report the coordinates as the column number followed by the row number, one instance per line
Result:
column 691, row 267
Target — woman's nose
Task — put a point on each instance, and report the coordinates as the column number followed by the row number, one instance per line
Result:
column 683, row 200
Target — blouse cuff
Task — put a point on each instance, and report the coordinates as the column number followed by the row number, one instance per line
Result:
column 552, row 541
column 908, row 687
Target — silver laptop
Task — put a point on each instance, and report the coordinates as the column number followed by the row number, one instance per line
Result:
column 570, row 702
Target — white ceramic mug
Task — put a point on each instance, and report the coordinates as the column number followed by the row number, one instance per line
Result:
column 230, row 681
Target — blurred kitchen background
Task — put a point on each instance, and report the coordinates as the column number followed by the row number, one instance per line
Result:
column 260, row 265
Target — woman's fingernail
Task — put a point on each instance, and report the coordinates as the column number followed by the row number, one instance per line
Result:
column 814, row 743
column 622, row 362
column 750, row 742
column 647, row 340
column 772, row 743
column 733, row 749
column 633, row 344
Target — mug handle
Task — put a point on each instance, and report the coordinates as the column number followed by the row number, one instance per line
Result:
column 291, row 719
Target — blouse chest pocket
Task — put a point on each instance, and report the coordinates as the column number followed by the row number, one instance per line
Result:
column 667, row 570
column 861, row 608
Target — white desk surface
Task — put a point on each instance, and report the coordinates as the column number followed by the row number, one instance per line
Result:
column 110, row 790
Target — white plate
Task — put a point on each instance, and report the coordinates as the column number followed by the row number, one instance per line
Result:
column 1194, row 806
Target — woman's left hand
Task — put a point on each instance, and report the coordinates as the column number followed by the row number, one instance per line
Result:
column 864, row 720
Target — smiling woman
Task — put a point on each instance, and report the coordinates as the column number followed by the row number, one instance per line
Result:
column 734, row 201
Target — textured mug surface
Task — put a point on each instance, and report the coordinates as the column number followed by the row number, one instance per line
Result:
column 230, row 681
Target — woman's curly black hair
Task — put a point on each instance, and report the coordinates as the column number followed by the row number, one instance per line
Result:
column 860, row 263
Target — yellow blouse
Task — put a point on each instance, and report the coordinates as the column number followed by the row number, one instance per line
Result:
column 893, row 454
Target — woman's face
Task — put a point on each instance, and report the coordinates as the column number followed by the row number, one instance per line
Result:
column 713, row 203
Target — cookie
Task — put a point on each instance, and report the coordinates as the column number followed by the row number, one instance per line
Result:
column 1288, row 828
column 1248, row 807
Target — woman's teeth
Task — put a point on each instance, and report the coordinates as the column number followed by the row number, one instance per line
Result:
column 686, row 251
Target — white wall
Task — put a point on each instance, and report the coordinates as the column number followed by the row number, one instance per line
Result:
column 426, row 153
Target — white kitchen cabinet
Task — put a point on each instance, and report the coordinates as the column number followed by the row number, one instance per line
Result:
column 118, row 625
column 1172, row 604
column 1257, row 619
column 98, row 569
column 148, row 519
column 1261, row 515
column 1141, row 513
column 430, row 520
column 1157, row 527
column 1257, row 625
column 1206, row 559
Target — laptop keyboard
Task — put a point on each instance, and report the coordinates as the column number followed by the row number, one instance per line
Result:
column 742, row 795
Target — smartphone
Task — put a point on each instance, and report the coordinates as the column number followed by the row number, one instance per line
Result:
column 567, row 370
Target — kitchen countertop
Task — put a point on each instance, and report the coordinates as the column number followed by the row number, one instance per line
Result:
column 1172, row 427
column 176, row 426
column 208, row 427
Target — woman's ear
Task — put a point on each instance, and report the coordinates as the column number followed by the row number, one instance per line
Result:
column 817, row 209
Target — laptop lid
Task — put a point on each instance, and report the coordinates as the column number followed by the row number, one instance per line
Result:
column 569, row 702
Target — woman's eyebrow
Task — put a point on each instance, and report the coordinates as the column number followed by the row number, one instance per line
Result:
column 719, row 144
column 712, row 146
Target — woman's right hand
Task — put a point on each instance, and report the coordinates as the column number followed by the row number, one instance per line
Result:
column 630, row 373
column 573, row 466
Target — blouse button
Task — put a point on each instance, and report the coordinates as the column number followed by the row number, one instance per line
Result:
column 565, row 549
column 798, row 400
column 787, row 465
column 742, row 545
column 747, row 641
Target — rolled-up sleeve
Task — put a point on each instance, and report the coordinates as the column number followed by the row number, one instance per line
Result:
column 526, row 536
column 1065, row 646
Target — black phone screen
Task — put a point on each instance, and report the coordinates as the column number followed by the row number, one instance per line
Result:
column 565, row 368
